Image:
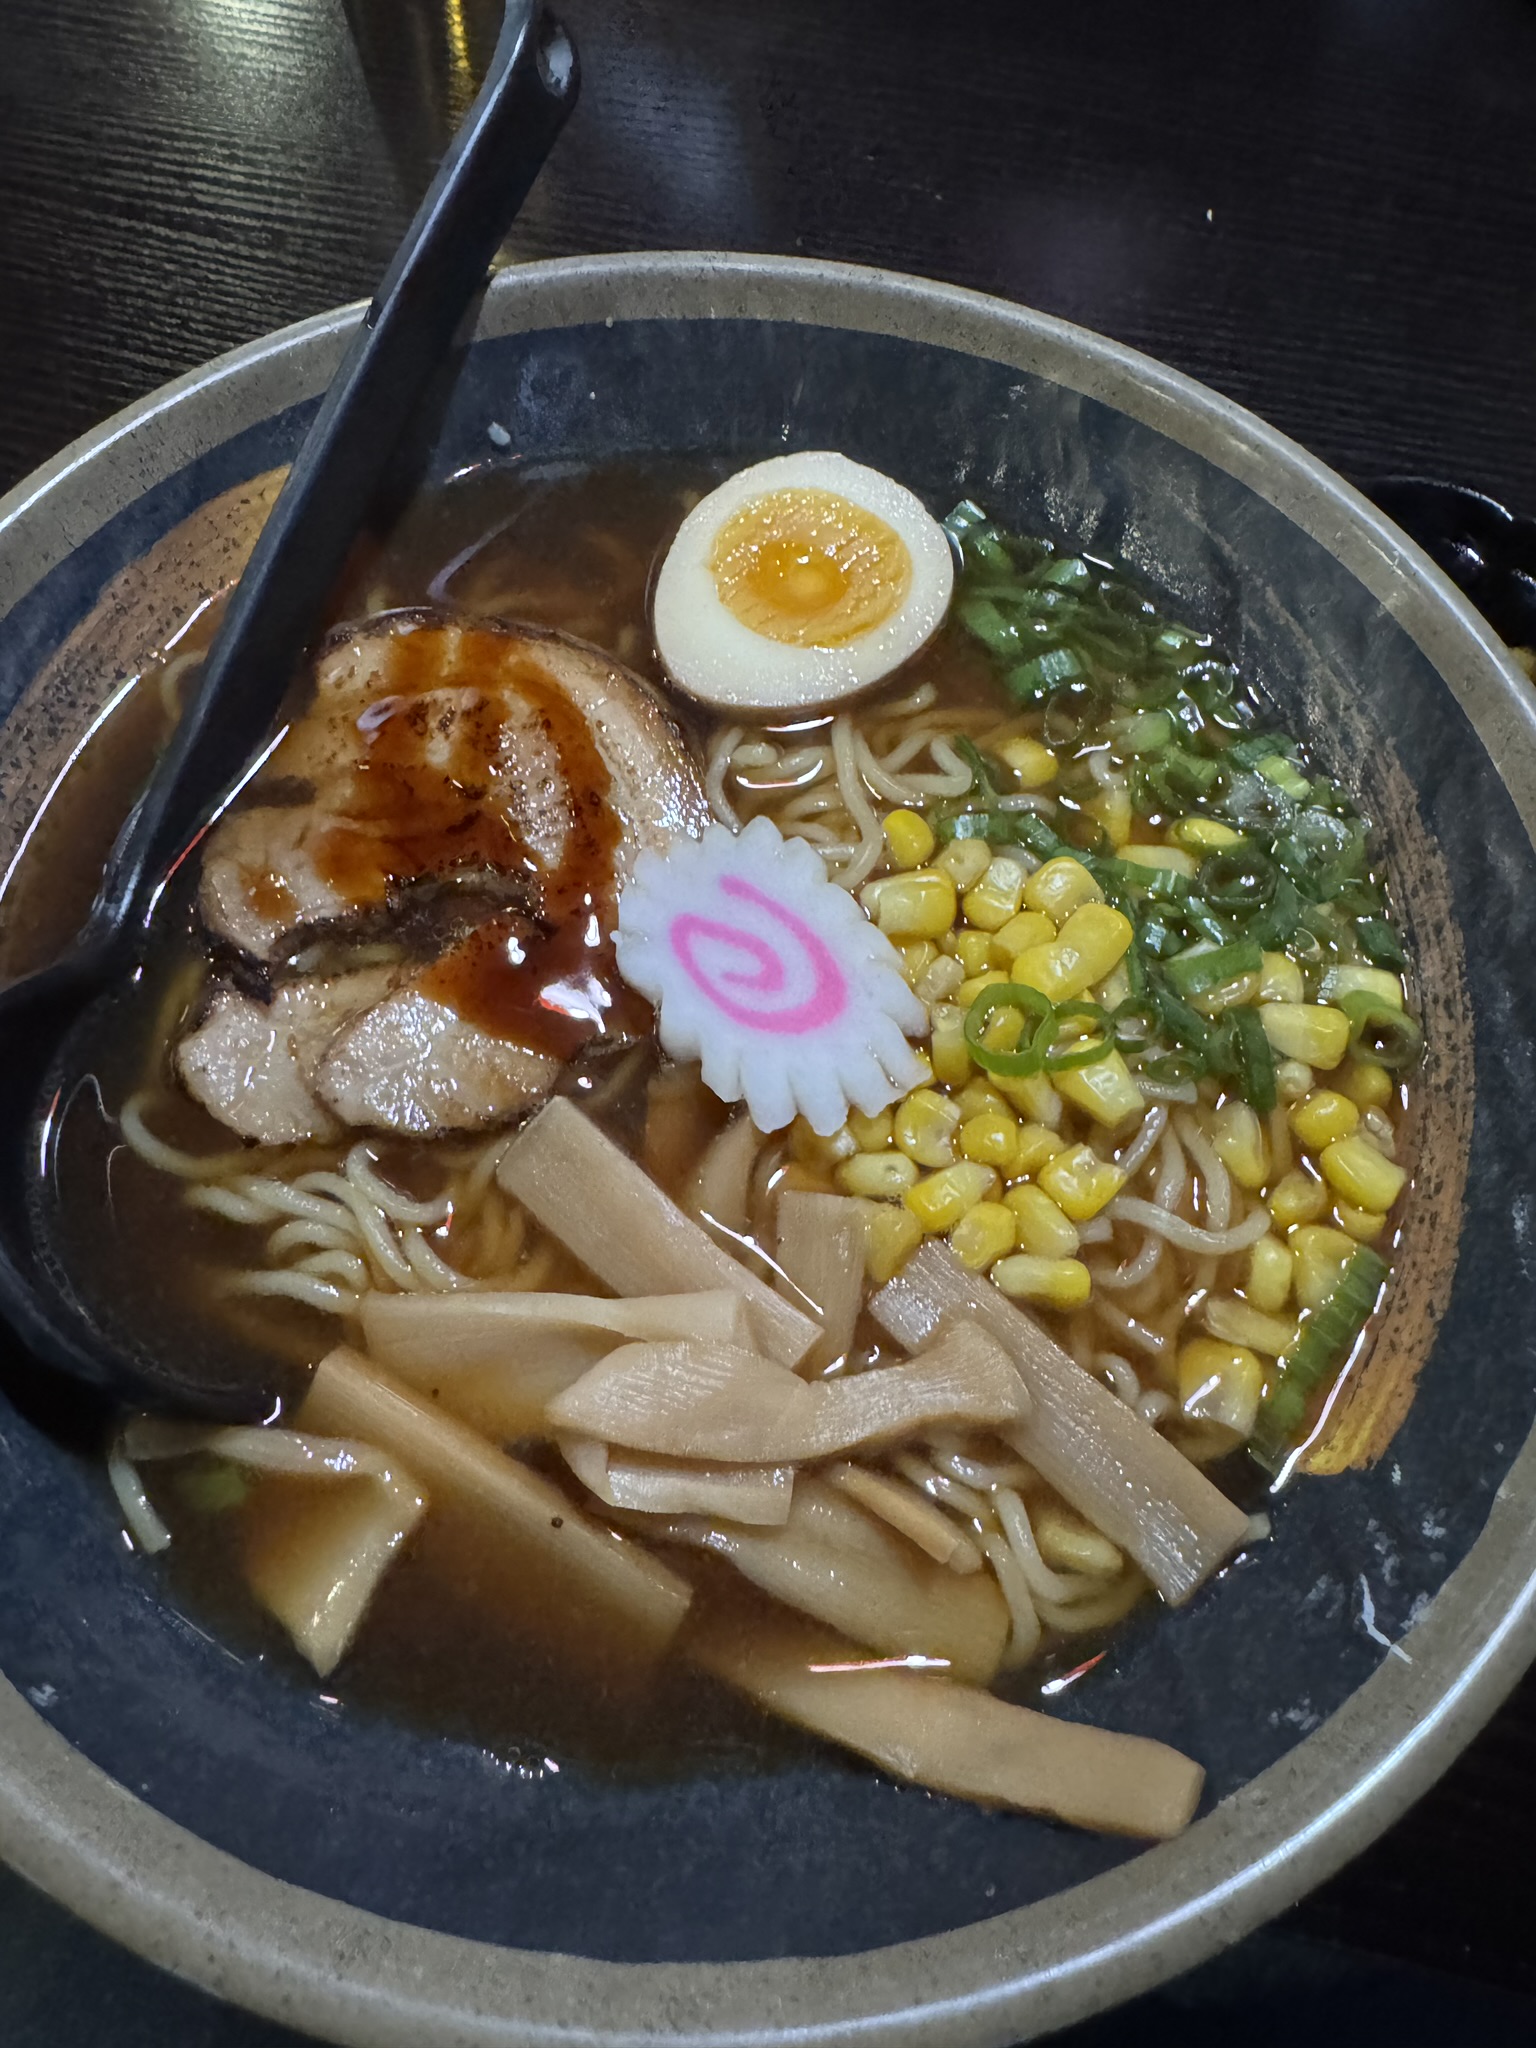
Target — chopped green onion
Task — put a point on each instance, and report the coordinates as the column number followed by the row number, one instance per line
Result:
column 983, row 779
column 1237, row 878
column 1035, row 1006
column 1059, row 1059
column 1193, row 973
column 1379, row 1031
column 212, row 1486
column 1253, row 1060
column 1327, row 1337
column 1380, row 944
column 1032, row 680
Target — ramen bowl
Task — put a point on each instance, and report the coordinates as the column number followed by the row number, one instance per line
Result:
column 374, row 1880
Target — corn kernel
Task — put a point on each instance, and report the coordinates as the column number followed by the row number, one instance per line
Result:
column 1079, row 1182
column 1171, row 859
column 1029, row 928
column 813, row 1150
column 1042, row 1228
column 1055, row 1283
column 1321, row 1256
column 968, row 991
column 1035, row 1095
column 991, row 1139
column 891, row 1235
column 1360, row 1224
column 1037, row 1143
column 917, row 906
column 1239, row 1322
column 996, row 897
column 1323, row 1116
column 879, row 1176
column 1240, row 1144
column 1297, row 1197
column 1106, row 1088
column 1268, row 1285
column 910, row 838
column 1378, row 982
column 1035, row 765
column 1358, row 1173
column 924, row 1066
column 940, row 1199
column 871, row 1133
column 1112, row 808
column 947, row 1047
column 939, row 980
column 983, row 1235
column 979, row 1096
column 1367, row 1085
column 973, row 950
column 1069, row 1544
column 1293, row 1079
column 1091, row 941
column 1114, row 989
column 965, row 861
column 1220, row 1383
column 1061, row 886
column 925, row 1127
column 1281, row 980
column 1204, row 835
column 917, row 956
column 1306, row 1031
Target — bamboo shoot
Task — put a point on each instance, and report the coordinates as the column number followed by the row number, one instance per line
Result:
column 758, row 1495
column 821, row 1250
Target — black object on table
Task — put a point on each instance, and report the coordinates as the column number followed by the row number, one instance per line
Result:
column 1326, row 210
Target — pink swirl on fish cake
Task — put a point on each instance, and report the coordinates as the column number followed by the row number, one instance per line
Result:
column 827, row 1000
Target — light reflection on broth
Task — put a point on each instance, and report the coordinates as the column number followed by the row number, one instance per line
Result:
column 1179, row 1244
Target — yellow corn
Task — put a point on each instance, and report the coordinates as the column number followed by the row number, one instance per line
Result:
column 891, row 1235
column 1220, row 1383
column 1106, row 1088
column 1056, row 1283
column 996, row 897
column 879, row 1176
column 1091, row 941
column 1034, row 764
column 1112, row 808
column 910, row 838
column 940, row 1199
column 979, row 1095
column 1069, row 1544
column 973, row 950
column 1293, row 1079
column 1239, row 1140
column 1360, row 1224
column 1358, row 1173
column 1114, row 989
column 812, row 1150
column 1035, row 1095
column 939, row 980
column 1268, row 1285
column 917, row 906
column 1061, row 886
column 992, row 1139
column 1079, row 1182
column 917, row 956
column 1321, row 1255
column 871, row 1133
column 1297, row 1197
column 983, row 1235
column 1239, row 1322
column 1204, row 835
column 1171, row 859
column 1042, row 1228
column 1036, row 1144
column 925, row 1064
column 1029, row 928
column 947, row 1047
column 1379, row 982
column 1313, row 1032
column 1281, row 980
column 965, row 861
column 968, row 991
column 1323, row 1116
column 1367, row 1085
column 925, row 1127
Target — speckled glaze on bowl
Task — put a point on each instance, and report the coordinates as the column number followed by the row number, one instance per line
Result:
column 374, row 1884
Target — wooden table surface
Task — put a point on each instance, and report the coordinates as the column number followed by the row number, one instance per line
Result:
column 1326, row 209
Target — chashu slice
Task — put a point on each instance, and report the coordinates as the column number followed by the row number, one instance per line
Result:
column 434, row 748
column 249, row 1063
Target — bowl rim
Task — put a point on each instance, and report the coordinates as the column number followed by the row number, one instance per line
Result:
column 354, row 1977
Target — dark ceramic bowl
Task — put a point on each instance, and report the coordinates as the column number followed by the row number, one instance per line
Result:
column 374, row 1884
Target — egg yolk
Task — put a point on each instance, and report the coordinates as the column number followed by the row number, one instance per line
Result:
column 809, row 568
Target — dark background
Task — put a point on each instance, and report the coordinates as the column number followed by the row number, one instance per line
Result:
column 1327, row 211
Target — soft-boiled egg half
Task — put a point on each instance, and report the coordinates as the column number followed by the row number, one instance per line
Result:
column 798, row 582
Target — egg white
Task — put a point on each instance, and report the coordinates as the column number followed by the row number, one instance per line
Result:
column 713, row 656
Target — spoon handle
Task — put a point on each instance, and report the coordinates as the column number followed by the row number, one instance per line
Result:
column 403, row 338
